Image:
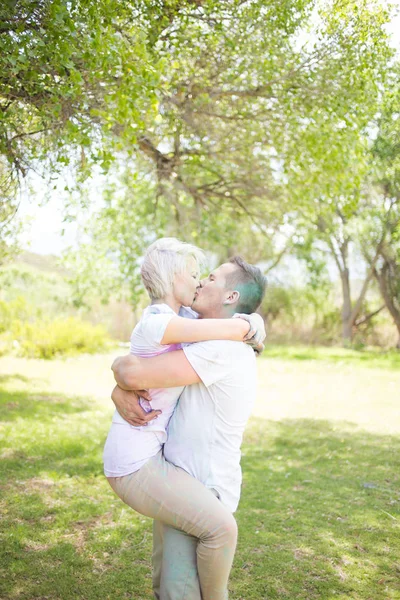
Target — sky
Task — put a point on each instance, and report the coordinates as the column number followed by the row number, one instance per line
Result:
column 46, row 233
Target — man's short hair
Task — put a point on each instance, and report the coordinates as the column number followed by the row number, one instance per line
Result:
column 163, row 260
column 249, row 281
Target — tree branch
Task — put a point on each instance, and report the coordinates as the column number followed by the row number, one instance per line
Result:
column 360, row 299
column 369, row 316
column 21, row 135
column 279, row 256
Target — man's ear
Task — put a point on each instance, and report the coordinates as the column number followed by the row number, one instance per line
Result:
column 232, row 298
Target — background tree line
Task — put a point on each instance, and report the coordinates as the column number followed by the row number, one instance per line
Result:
column 266, row 128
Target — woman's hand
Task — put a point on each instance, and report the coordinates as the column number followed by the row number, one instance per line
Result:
column 256, row 334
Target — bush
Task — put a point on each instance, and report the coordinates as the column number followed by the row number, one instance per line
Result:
column 277, row 301
column 60, row 337
column 301, row 313
column 15, row 310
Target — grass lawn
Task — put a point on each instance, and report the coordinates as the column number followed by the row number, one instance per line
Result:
column 320, row 509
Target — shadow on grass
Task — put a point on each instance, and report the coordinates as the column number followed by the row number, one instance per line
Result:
column 319, row 516
column 63, row 532
column 75, row 566
column 15, row 377
column 45, row 430
column 320, row 512
column 34, row 406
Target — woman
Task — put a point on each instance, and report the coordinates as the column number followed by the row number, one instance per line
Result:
column 133, row 459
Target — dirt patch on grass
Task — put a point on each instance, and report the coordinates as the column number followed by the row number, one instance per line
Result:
column 37, row 484
column 35, row 546
column 80, row 530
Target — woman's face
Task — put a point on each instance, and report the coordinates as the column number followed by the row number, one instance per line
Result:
column 186, row 283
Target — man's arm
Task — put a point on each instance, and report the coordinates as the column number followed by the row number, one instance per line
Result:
column 171, row 369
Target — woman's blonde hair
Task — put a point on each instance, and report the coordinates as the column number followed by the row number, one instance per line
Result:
column 163, row 260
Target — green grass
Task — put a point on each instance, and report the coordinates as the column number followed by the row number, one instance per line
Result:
column 320, row 510
column 369, row 357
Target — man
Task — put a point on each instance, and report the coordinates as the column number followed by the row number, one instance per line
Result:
column 205, row 432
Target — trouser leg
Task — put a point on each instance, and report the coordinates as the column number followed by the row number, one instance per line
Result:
column 179, row 579
column 158, row 535
column 166, row 493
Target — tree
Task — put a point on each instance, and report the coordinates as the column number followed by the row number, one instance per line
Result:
column 81, row 70
column 76, row 81
column 251, row 127
column 250, row 121
column 234, row 113
column 382, row 206
column 387, row 274
column 132, row 216
column 332, row 232
column 8, row 207
column 369, row 221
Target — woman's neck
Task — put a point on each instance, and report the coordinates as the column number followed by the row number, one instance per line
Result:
column 169, row 301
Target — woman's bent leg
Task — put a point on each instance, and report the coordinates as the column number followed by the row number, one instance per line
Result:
column 165, row 492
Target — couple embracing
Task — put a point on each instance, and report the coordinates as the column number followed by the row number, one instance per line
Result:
column 178, row 462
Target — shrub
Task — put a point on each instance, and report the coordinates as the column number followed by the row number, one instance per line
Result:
column 60, row 337
column 301, row 313
column 17, row 309
column 277, row 301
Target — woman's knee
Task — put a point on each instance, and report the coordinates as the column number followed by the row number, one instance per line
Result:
column 224, row 532
column 232, row 530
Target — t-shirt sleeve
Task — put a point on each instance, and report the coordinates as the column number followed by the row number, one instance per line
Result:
column 154, row 327
column 211, row 360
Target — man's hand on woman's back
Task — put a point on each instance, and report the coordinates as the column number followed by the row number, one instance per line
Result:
column 128, row 406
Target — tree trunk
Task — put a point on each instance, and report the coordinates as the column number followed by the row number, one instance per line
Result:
column 382, row 279
column 350, row 312
column 347, row 324
column 397, row 323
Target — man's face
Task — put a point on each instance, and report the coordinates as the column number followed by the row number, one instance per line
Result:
column 212, row 293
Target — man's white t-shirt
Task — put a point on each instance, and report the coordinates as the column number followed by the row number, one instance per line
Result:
column 128, row 448
column 206, row 430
